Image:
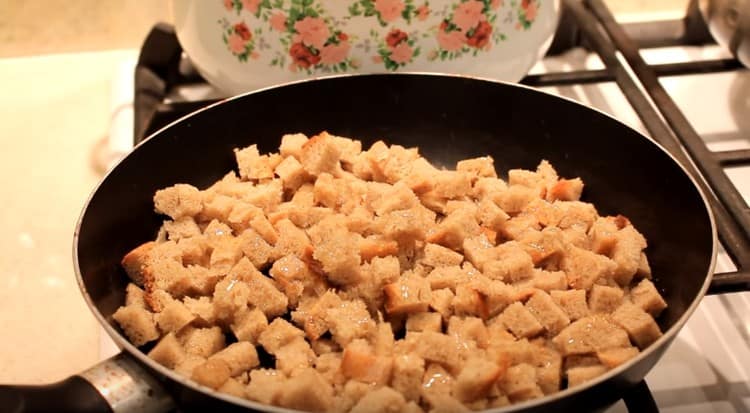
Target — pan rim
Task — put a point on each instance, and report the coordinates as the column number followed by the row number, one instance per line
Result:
column 664, row 340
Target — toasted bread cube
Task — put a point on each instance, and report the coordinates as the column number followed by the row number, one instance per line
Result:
column 603, row 299
column 519, row 383
column 360, row 363
column 135, row 262
column 549, row 315
column 178, row 201
column 307, row 391
column 439, row 348
column 424, row 322
column 627, row 254
column 566, row 190
column 230, row 296
column 168, row 352
column 407, row 225
column 137, row 323
column 266, row 196
column 249, row 324
column 408, row 371
column 580, row 375
column 188, row 364
column 396, row 164
column 266, row 385
column 480, row 167
column 194, row 250
column 518, row 225
column 157, row 299
column 212, row 373
column 548, row 364
column 349, row 394
column 348, row 321
column 271, row 234
column 240, row 357
column 497, row 296
column 350, row 148
column 314, row 320
column 217, row 206
column 456, row 227
column 582, row 360
column 174, row 316
column 329, row 366
column 438, row 256
column 645, row 296
column 337, row 250
column 394, row 198
column 320, row 154
column 436, row 380
column 549, row 280
column 255, row 248
column 376, row 246
column 291, row 173
column 603, row 234
column 291, row 145
column 452, row 184
column 233, row 387
column 469, row 329
column 447, row 277
column 488, row 188
column 329, row 191
column 294, row 356
column 262, row 293
column 543, row 246
column 384, row 399
column 279, row 333
column 202, row 342
column 479, row 251
column 476, row 378
column 520, row 321
column 383, row 341
column 184, row 227
column 441, row 300
column 514, row 199
column 253, row 165
column 515, row 352
column 590, row 334
column 639, row 324
column 583, row 268
column 469, row 301
column 410, row 294
column 444, row 403
column 573, row 302
column 134, row 296
column 491, row 216
column 511, row 264
column 613, row 357
column 225, row 254
column 291, row 240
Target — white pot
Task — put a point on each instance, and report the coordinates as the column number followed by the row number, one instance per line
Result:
column 241, row 45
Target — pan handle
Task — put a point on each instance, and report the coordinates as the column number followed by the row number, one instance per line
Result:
column 116, row 385
column 730, row 282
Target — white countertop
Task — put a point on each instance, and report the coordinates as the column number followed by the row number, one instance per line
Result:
column 53, row 110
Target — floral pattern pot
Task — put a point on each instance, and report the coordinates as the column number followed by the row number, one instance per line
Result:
column 241, row 45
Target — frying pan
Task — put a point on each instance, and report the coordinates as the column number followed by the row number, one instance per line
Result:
column 449, row 118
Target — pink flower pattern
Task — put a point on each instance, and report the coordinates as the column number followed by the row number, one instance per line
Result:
column 278, row 21
column 312, row 31
column 236, row 44
column 531, row 11
column 402, row 53
column 334, row 53
column 389, row 10
column 251, row 5
column 468, row 14
column 423, row 12
column 228, row 5
column 451, row 41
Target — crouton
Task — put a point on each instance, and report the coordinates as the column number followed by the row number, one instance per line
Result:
column 294, row 356
column 548, row 363
column 376, row 246
column 168, row 352
column 184, row 227
column 580, row 375
column 497, row 296
column 266, row 196
column 479, row 251
column 262, row 293
column 438, row 256
column 395, row 165
column 520, row 321
column 549, row 315
column 321, row 154
column 512, row 263
column 360, row 363
column 384, row 399
column 644, row 269
column 491, row 216
column 480, row 167
column 266, row 385
column 173, row 317
column 135, row 296
column 590, row 334
column 408, row 371
column 291, row 240
column 573, row 302
column 514, row 199
column 515, row 227
column 452, row 184
column 212, row 373
column 137, row 323
column 603, row 299
column 645, row 296
column 469, row 301
column 383, row 343
column 544, row 245
column 639, row 324
column 447, row 277
column 307, row 391
column 626, row 253
column 603, row 234
column 279, row 333
column 456, row 227
column 348, row 321
column 407, row 225
column 469, row 329
column 217, row 206
column 240, row 357
column 519, row 383
column 233, row 387
column 272, row 232
column 583, row 268
column 202, row 342
column 410, row 294
column 394, row 198
column 436, row 380
column 135, row 262
column 194, row 250
column 337, row 250
column 444, row 403
column 566, row 190
column 439, row 348
column 178, row 201
column 314, row 318
column 441, row 300
column 549, row 280
column 230, row 296
column 477, row 376
column 252, row 165
column 254, row 247
column 188, row 364
column 613, row 357
column 329, row 366
column 247, row 324
column 291, row 173
column 424, row 322
column 291, row 145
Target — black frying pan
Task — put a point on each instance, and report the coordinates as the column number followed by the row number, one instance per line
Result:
column 448, row 118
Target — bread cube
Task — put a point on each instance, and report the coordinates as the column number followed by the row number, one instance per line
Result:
column 410, row 294
column 456, row 227
column 337, row 250
column 262, row 293
column 266, row 385
column 279, row 333
column 291, row 173
column 424, row 322
column 212, row 373
column 184, row 227
column 137, row 323
column 640, row 326
column 548, row 363
column 512, row 264
column 291, row 240
column 589, row 335
column 321, row 154
column 360, row 363
column 497, row 296
column 469, row 301
column 549, row 280
column 479, row 250
column 543, row 246
column 444, row 403
column 436, row 380
column 255, row 248
column 248, row 324
column 549, row 315
column 478, row 167
column 188, row 364
column 438, row 256
column 291, row 145
column 603, row 299
column 383, row 342
column 135, row 296
column 307, row 391
column 573, row 302
column 202, row 342
column 173, row 317
column 645, row 296
column 408, row 371
column 626, row 253
column 240, row 357
column 233, row 387
column 135, row 262
column 447, row 277
column 520, row 321
column 519, row 383
column 566, row 190
column 583, row 268
column 252, row 165
column 476, row 378
column 406, row 226
column 194, row 250
column 514, row 199
column 375, row 246
column 294, row 356
column 603, row 234
column 580, row 375
column 439, row 348
column 613, row 357
column 441, row 300
column 168, row 352
column 178, row 201
column 384, row 399
column 348, row 321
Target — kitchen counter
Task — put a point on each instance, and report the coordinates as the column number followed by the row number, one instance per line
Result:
column 55, row 110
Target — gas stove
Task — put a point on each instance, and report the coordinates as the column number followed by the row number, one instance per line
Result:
column 665, row 78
